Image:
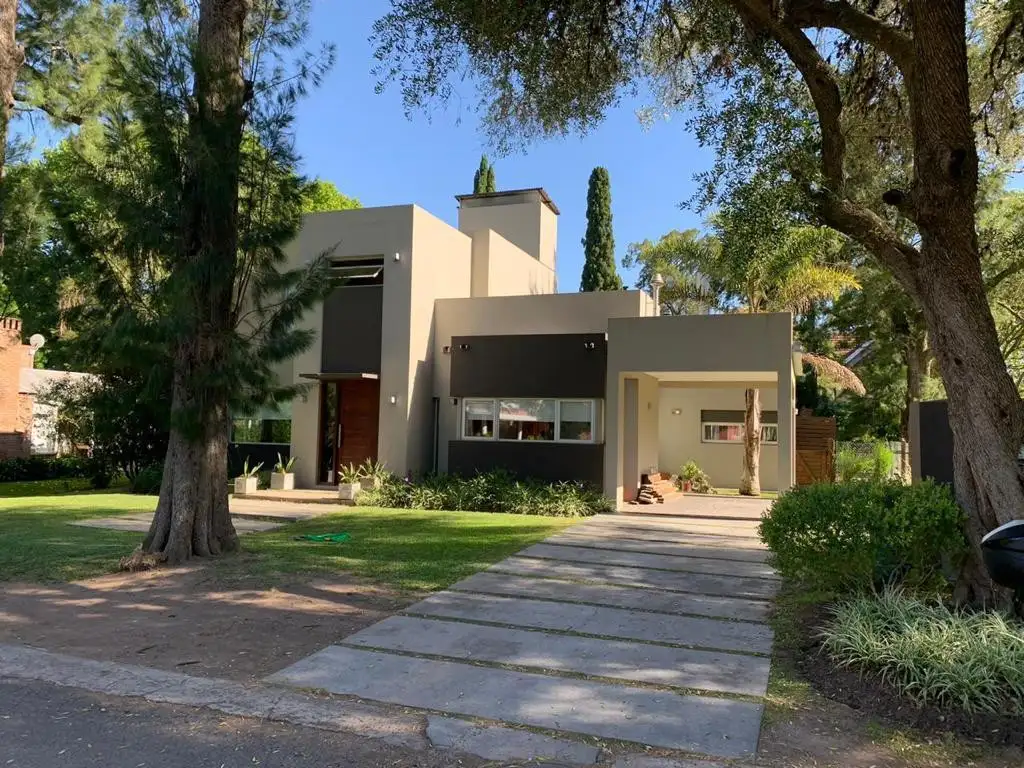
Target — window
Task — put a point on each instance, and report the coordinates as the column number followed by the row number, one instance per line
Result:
column 576, row 420
column 530, row 419
column 362, row 271
column 256, row 430
column 479, row 419
column 733, row 433
column 527, row 419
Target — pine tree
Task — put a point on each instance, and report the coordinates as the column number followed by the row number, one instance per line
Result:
column 599, row 272
column 483, row 179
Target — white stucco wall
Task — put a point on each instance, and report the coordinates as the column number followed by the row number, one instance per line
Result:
column 680, row 435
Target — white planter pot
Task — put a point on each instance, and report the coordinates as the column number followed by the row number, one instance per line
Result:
column 244, row 485
column 282, row 481
column 349, row 491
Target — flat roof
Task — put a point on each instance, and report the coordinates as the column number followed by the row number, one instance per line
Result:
column 545, row 198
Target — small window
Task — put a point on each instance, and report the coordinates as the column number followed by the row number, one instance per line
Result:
column 527, row 419
column 479, row 419
column 733, row 433
column 576, row 421
column 362, row 271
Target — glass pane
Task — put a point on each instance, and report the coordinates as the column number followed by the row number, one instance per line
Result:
column 246, row 430
column 527, row 419
column 576, row 420
column 479, row 418
column 769, row 433
column 723, row 433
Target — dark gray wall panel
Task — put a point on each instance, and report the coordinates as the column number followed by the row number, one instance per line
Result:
column 352, row 329
column 529, row 459
column 932, row 441
column 531, row 365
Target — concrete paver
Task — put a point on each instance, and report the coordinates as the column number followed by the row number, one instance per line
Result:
column 615, row 596
column 698, row 583
column 715, row 549
column 593, row 620
column 648, row 560
column 721, row 527
column 713, row 726
column 639, row 662
column 498, row 743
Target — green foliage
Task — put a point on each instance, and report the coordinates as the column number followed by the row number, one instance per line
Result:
column 872, row 461
column 147, row 481
column 372, row 470
column 282, row 466
column 851, row 466
column 697, row 477
column 854, row 536
column 934, row 655
column 599, row 241
column 45, row 468
column 483, row 179
column 675, row 257
column 349, row 474
column 319, row 196
column 248, row 471
column 495, row 491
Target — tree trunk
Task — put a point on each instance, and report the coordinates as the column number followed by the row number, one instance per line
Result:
column 985, row 410
column 192, row 516
column 750, row 484
column 11, row 58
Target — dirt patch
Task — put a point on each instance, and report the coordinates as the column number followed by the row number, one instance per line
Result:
column 200, row 620
column 836, row 717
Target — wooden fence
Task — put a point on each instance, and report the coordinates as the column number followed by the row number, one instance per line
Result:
column 815, row 449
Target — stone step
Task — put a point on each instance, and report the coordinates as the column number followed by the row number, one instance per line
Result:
column 719, row 727
column 593, row 620
column 637, row 662
column 696, row 583
column 615, row 596
column 647, row 560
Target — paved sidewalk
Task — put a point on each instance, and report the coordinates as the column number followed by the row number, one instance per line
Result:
column 626, row 627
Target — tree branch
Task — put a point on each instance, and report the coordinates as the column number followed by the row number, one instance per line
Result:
column 842, row 16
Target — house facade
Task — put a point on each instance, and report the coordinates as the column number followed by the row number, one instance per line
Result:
column 448, row 349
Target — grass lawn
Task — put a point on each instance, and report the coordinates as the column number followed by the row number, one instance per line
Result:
column 37, row 544
column 408, row 549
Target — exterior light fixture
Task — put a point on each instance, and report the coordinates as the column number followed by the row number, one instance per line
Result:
column 463, row 347
column 677, row 411
column 398, row 256
column 589, row 345
column 446, row 350
column 393, row 399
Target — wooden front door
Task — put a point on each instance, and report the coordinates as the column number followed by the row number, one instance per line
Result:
column 358, row 422
column 348, row 425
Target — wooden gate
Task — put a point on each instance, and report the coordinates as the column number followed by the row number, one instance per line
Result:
column 815, row 449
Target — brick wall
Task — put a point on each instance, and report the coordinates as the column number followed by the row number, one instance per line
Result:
column 15, row 408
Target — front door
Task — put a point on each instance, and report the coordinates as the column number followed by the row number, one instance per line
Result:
column 349, row 411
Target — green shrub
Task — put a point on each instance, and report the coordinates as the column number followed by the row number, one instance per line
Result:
column 44, row 468
column 496, row 491
column 882, row 461
column 851, row 466
column 698, row 478
column 147, row 480
column 853, row 536
column 933, row 655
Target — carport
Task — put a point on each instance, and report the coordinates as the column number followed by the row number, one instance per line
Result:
column 647, row 353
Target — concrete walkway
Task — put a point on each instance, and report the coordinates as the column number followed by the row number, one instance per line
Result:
column 635, row 628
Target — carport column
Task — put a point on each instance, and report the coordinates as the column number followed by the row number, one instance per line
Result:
column 787, row 428
column 613, row 436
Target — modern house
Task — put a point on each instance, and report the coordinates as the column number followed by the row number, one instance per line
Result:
column 448, row 349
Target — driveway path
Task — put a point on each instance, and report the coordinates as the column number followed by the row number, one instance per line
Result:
column 628, row 627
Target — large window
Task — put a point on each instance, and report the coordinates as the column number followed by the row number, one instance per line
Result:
column 257, row 430
column 518, row 419
column 731, row 432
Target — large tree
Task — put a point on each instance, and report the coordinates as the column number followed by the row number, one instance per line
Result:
column 548, row 67
column 599, row 241
column 483, row 178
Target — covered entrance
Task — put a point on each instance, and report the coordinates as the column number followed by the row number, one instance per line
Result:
column 349, row 419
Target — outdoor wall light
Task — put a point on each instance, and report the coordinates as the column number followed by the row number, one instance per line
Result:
column 398, row 256
column 455, row 401
column 677, row 411
column 446, row 349
column 589, row 345
column 463, row 347
column 393, row 399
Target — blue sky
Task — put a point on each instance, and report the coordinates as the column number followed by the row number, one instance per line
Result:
column 363, row 143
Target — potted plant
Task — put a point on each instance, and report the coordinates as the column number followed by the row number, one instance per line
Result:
column 282, row 478
column 248, row 481
column 371, row 474
column 348, row 482
column 693, row 478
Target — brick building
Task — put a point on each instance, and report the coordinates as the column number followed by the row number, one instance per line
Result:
column 15, row 405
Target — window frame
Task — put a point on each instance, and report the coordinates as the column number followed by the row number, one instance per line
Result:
column 496, row 412
column 741, row 425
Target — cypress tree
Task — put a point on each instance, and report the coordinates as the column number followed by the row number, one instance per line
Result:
column 480, row 177
column 599, row 272
column 491, row 185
